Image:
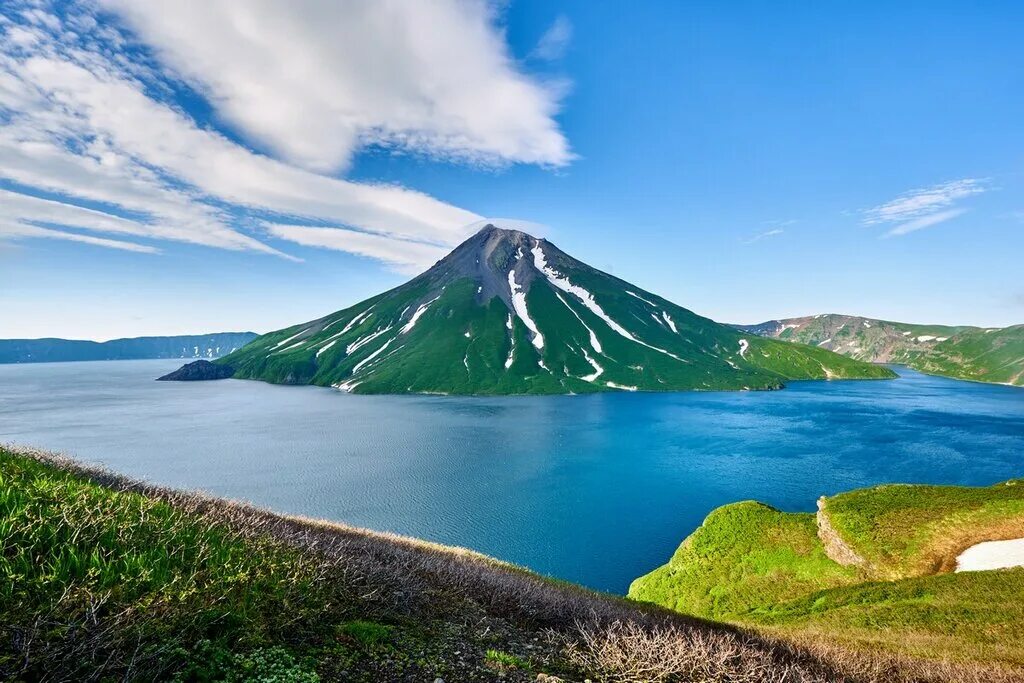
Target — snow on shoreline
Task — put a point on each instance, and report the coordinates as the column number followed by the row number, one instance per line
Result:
column 991, row 555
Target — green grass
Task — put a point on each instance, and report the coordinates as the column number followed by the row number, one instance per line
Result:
column 980, row 355
column 93, row 559
column 905, row 531
column 506, row 660
column 975, row 616
column 744, row 557
column 752, row 565
column 367, row 632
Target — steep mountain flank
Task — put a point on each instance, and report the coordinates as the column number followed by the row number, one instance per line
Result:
column 507, row 313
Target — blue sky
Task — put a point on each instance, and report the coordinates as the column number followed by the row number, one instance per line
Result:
column 188, row 167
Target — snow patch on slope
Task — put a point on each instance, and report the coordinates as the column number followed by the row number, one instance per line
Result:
column 416, row 316
column 362, row 341
column 373, row 355
column 276, row 346
column 555, row 278
column 326, row 346
column 519, row 304
column 744, row 345
column 646, row 301
column 594, row 342
column 593, row 363
column 669, row 321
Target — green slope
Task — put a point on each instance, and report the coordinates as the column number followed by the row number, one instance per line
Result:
column 506, row 313
column 753, row 565
column 107, row 579
column 981, row 355
column 985, row 355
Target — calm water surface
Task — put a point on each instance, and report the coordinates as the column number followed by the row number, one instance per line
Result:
column 594, row 489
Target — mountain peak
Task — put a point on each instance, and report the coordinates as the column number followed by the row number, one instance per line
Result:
column 507, row 313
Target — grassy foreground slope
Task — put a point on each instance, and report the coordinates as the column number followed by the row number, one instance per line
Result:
column 103, row 578
column 888, row 588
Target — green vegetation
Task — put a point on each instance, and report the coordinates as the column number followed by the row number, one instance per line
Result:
column 750, row 564
column 980, row 355
column 903, row 531
column 454, row 330
column 98, row 583
column 744, row 557
column 506, row 660
column 976, row 616
column 103, row 578
column 984, row 355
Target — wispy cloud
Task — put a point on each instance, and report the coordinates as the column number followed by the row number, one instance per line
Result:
column 762, row 235
column 555, row 41
column 925, row 207
column 405, row 256
column 89, row 118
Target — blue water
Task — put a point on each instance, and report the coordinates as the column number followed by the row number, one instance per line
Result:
column 593, row 489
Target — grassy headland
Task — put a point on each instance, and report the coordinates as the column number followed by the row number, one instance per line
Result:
column 105, row 578
column 870, row 570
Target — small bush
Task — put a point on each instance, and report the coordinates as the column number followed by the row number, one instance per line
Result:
column 367, row 632
column 506, row 659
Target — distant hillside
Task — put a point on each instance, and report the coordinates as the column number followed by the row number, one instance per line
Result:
column 980, row 354
column 871, row 569
column 134, row 348
column 507, row 313
column 108, row 579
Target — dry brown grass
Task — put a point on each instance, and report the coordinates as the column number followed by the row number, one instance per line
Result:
column 605, row 637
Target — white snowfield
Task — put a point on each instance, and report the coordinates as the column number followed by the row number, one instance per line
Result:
column 555, row 278
column 325, row 347
column 373, row 355
column 744, row 345
column 356, row 321
column 646, row 301
column 992, row 555
column 416, row 316
column 278, row 344
column 519, row 304
column 593, row 363
column 594, row 341
column 363, row 341
column 668, row 319
column 624, row 387
column 925, row 337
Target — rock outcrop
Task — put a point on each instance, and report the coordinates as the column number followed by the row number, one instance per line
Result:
column 198, row 371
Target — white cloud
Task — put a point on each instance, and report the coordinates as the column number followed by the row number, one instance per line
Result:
column 555, row 41
column 923, row 208
column 88, row 122
column 404, row 256
column 763, row 235
column 926, row 221
column 316, row 80
column 15, row 230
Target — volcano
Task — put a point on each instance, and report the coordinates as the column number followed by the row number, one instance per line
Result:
column 508, row 313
